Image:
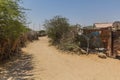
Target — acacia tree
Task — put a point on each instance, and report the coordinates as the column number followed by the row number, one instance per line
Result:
column 12, row 23
column 56, row 27
column 11, row 18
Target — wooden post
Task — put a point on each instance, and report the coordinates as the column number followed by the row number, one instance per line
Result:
column 110, row 44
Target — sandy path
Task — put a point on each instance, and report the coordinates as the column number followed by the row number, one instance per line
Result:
column 51, row 64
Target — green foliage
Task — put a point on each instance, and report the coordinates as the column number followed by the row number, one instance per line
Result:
column 11, row 19
column 42, row 33
column 70, row 41
column 12, row 26
column 88, row 27
column 62, row 33
column 56, row 27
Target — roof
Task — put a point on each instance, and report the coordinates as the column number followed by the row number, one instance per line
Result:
column 103, row 25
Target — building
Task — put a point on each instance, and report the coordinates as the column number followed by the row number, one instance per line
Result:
column 102, row 25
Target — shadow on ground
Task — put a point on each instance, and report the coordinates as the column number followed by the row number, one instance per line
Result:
column 18, row 68
column 118, row 57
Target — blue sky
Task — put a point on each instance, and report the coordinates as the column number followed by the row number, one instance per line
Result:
column 84, row 12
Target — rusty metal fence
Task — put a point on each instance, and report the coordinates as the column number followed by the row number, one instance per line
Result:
column 104, row 38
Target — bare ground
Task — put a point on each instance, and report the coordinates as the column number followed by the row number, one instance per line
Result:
column 52, row 64
column 17, row 68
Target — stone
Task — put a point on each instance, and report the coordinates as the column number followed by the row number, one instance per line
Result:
column 102, row 55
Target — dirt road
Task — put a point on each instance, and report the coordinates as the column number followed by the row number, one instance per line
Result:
column 51, row 64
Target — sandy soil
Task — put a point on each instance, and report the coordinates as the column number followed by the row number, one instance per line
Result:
column 51, row 64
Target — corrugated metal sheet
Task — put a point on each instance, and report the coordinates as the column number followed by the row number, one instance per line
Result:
column 103, row 25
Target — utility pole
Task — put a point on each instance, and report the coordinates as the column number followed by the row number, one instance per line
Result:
column 39, row 27
column 34, row 26
column 28, row 26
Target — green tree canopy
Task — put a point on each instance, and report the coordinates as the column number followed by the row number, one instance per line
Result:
column 56, row 27
column 12, row 18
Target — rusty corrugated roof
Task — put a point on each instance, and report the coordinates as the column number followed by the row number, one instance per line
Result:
column 103, row 25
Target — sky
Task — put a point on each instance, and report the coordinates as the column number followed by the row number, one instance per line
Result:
column 84, row 12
